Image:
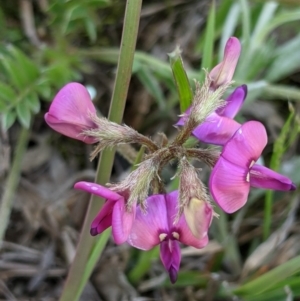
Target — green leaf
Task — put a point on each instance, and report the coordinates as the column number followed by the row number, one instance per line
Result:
column 229, row 27
column 91, row 29
column 143, row 264
column 286, row 60
column 188, row 278
column 222, row 14
column 23, row 113
column 265, row 16
column 44, row 90
column 59, row 74
column 287, row 136
column 13, row 72
column 33, row 102
column 181, row 80
column 3, row 105
column 246, row 20
column 152, row 85
column 278, row 20
column 269, row 279
column 258, row 61
column 6, row 92
column 97, row 3
column 281, row 144
column 8, row 118
column 26, row 66
column 280, row 294
column 209, row 39
column 220, row 17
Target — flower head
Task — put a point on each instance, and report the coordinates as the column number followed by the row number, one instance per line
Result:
column 236, row 170
column 113, row 213
column 70, row 112
column 223, row 72
column 158, row 226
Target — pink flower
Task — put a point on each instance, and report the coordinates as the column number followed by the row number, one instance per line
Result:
column 113, row 213
column 157, row 226
column 70, row 112
column 223, row 72
column 219, row 126
column 236, row 170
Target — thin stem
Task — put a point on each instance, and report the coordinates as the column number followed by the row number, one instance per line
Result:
column 85, row 253
column 209, row 156
column 12, row 181
column 268, row 214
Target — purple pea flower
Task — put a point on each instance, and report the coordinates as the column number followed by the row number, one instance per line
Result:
column 113, row 213
column 223, row 72
column 70, row 112
column 219, row 126
column 158, row 226
column 236, row 170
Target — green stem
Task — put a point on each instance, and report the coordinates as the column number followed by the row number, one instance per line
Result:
column 12, row 181
column 89, row 249
column 268, row 214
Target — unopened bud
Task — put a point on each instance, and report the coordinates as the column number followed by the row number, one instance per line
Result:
column 223, row 72
column 71, row 113
column 190, row 186
column 198, row 215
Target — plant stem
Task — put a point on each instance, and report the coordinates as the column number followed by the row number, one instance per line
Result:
column 12, row 181
column 268, row 214
column 85, row 258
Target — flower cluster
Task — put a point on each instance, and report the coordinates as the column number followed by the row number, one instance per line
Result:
column 138, row 209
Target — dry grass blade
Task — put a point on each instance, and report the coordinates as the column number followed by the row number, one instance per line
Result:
column 264, row 250
column 6, row 292
column 47, row 260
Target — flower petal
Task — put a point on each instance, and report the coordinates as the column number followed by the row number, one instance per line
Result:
column 223, row 72
column 170, row 256
column 67, row 129
column 198, row 216
column 233, row 102
column 103, row 219
column 183, row 117
column 246, row 145
column 72, row 103
column 186, row 236
column 122, row 220
column 216, row 129
column 69, row 113
column 148, row 225
column 171, row 203
column 99, row 190
column 181, row 227
column 229, row 186
column 263, row 177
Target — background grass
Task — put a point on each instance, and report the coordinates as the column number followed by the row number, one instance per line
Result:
column 45, row 44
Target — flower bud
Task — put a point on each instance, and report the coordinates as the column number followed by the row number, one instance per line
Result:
column 70, row 112
column 223, row 72
column 198, row 215
column 190, row 186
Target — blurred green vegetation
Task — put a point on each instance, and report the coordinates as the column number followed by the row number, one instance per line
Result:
column 58, row 40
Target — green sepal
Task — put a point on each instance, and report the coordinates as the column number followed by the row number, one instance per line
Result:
column 181, row 80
